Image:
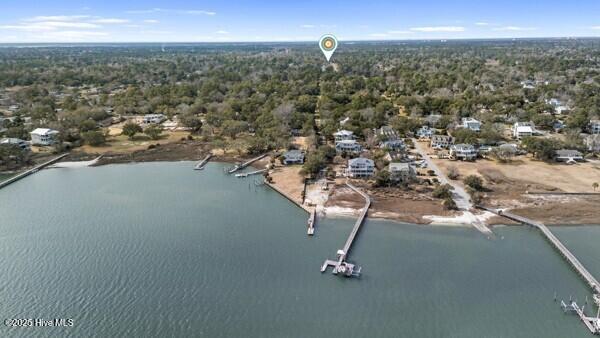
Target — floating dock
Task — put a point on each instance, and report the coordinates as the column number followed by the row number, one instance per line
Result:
column 593, row 323
column 31, row 171
column 341, row 265
column 245, row 164
column 200, row 165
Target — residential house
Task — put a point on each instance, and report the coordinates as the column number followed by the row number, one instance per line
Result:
column 559, row 107
column 393, row 144
column 343, row 135
column 471, row 123
column 424, row 133
column 43, row 136
column 522, row 129
column 594, row 127
column 592, row 142
column 348, row 146
column 386, row 133
column 15, row 141
column 569, row 156
column 360, row 167
column 528, row 84
column 397, row 156
column 441, row 141
column 293, row 157
column 153, row 118
column 463, row 152
column 401, row 172
column 433, row 119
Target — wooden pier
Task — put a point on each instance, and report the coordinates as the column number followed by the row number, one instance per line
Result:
column 341, row 265
column 592, row 323
column 245, row 164
column 311, row 223
column 31, row 171
column 256, row 172
column 200, row 165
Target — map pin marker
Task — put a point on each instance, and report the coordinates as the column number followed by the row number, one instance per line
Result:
column 328, row 44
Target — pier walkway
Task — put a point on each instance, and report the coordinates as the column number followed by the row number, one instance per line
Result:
column 341, row 265
column 247, row 163
column 31, row 171
column 592, row 323
column 202, row 163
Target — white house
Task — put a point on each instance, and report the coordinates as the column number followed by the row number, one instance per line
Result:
column 360, row 167
column 522, row 129
column 343, row 135
column 569, row 156
column 441, row 141
column 401, row 172
column 594, row 127
column 43, row 136
column 153, row 118
column 471, row 123
column 393, row 144
column 348, row 146
column 463, row 152
column 15, row 141
column 293, row 157
column 424, row 133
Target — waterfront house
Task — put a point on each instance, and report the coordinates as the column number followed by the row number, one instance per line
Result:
column 424, row 133
column 463, row 152
column 343, row 135
column 594, row 127
column 348, row 146
column 568, row 156
column 360, row 167
column 153, row 118
column 592, row 142
column 522, row 129
column 441, row 141
column 43, row 136
column 471, row 123
column 293, row 157
column 15, row 141
column 401, row 172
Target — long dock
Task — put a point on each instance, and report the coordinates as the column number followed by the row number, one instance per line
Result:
column 341, row 265
column 31, row 171
column 593, row 323
column 256, row 172
column 247, row 163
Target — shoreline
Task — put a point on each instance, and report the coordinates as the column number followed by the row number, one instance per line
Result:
column 337, row 210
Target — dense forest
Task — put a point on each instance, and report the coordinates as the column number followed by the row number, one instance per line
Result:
column 271, row 91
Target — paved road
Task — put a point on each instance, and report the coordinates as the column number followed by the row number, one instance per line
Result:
column 459, row 195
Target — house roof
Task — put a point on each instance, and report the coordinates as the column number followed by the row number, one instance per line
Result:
column 524, row 129
column 463, row 147
column 347, row 142
column 360, row 160
column 293, row 153
column 344, row 133
column 43, row 131
column 568, row 153
column 399, row 166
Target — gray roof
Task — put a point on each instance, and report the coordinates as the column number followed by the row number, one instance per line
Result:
column 568, row 153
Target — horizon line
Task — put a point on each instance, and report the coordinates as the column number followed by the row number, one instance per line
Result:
column 306, row 41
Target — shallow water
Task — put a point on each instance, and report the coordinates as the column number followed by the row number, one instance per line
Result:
column 158, row 249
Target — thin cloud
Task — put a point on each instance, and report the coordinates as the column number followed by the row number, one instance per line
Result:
column 222, row 32
column 49, row 26
column 514, row 28
column 173, row 11
column 111, row 21
column 430, row 29
column 399, row 32
column 308, row 26
column 482, row 23
column 379, row 35
column 151, row 21
column 595, row 27
column 56, row 18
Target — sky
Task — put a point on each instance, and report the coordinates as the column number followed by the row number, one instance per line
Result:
column 26, row 21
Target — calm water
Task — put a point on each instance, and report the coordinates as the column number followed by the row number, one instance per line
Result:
column 159, row 249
